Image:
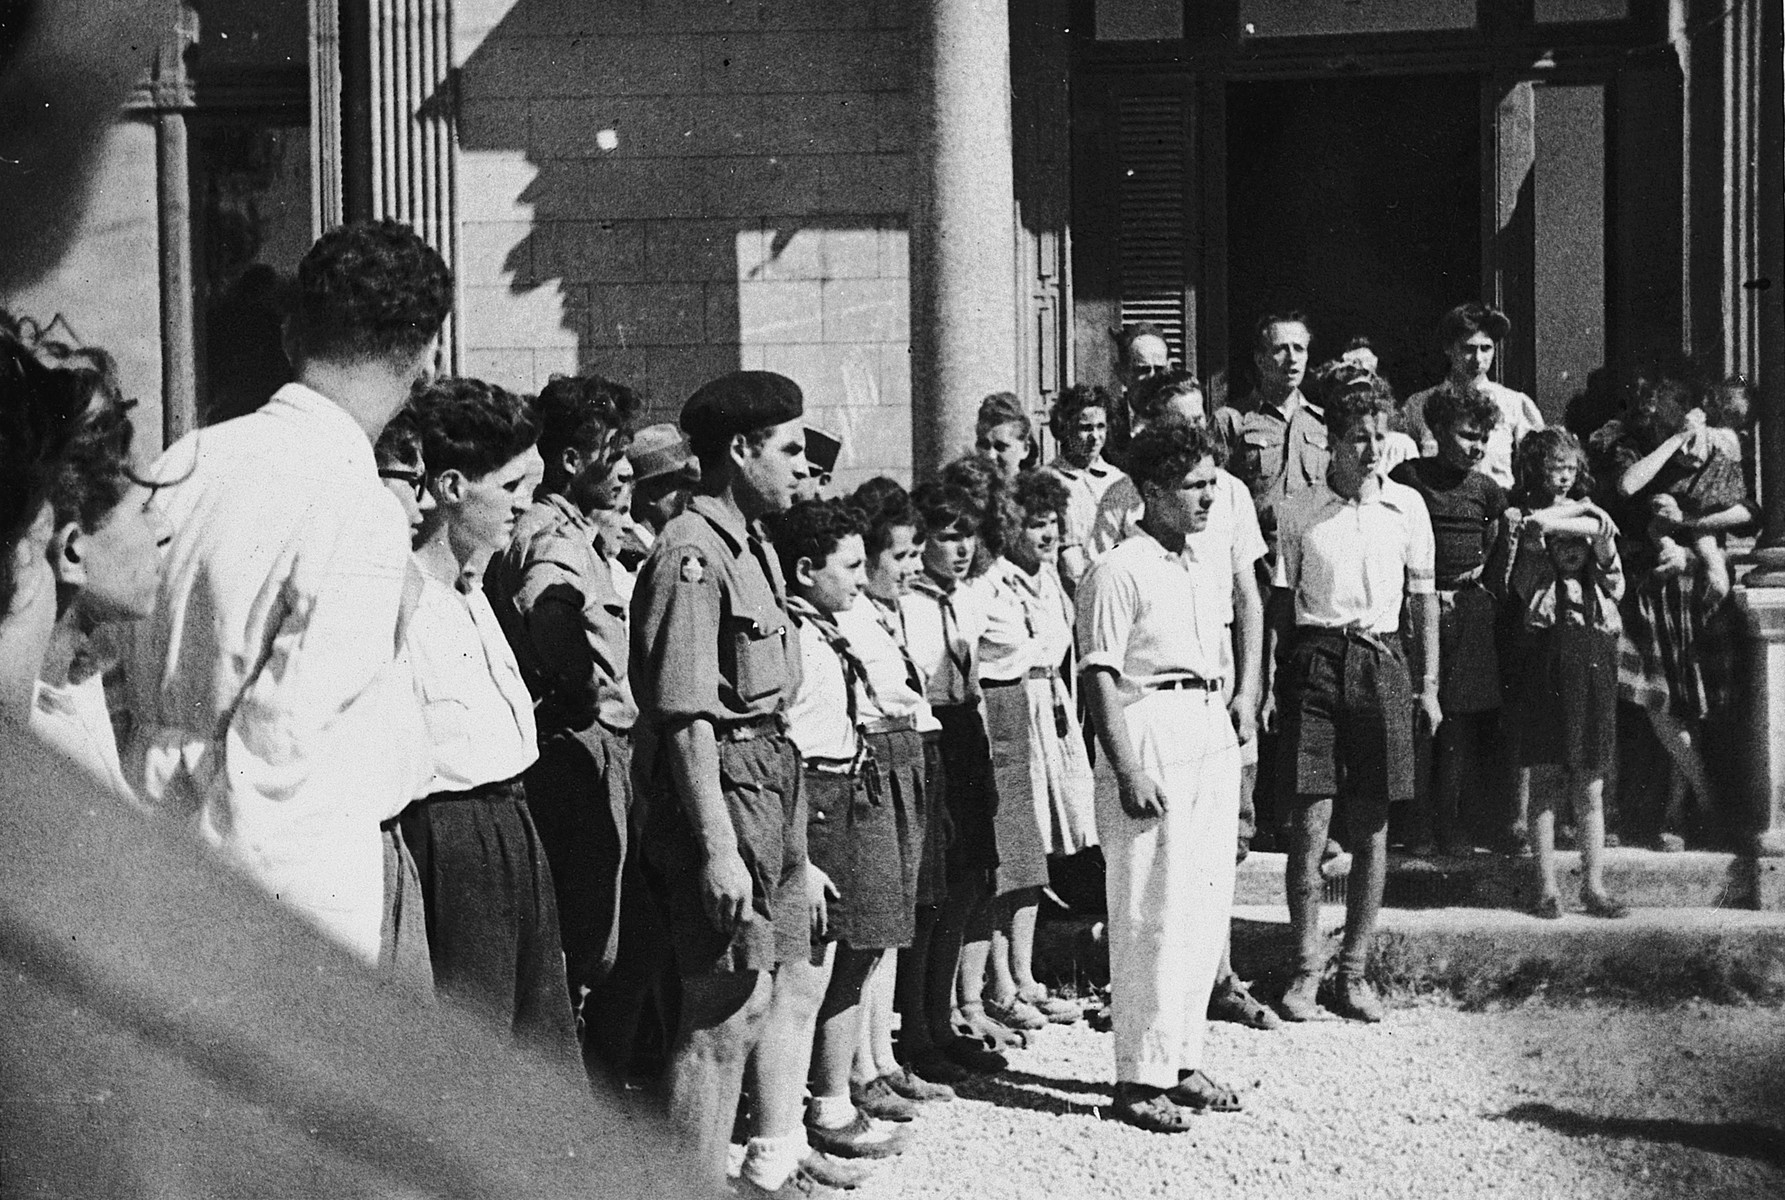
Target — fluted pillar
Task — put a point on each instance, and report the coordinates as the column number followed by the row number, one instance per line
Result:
column 963, row 236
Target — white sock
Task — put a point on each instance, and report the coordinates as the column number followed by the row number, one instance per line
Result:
column 832, row 1112
column 768, row 1162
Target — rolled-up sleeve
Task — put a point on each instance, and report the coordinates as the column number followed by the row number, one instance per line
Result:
column 676, row 613
column 1108, row 601
column 1421, row 549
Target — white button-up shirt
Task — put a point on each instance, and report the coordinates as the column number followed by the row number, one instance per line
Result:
column 1151, row 615
column 271, row 711
column 478, row 711
column 1118, row 517
column 1349, row 562
column 1085, row 489
column 876, row 637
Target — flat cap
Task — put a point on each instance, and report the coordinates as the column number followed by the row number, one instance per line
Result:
column 660, row 450
column 822, row 450
column 739, row 403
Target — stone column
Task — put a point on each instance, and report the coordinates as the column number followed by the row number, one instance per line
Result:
column 1754, row 246
column 963, row 232
column 165, row 97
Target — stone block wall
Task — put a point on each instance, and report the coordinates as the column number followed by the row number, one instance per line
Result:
column 664, row 190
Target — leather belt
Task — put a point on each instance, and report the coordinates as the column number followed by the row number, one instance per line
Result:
column 749, row 730
column 1193, row 683
column 892, row 725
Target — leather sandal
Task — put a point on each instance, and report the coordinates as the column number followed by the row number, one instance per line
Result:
column 1234, row 1002
column 1016, row 1013
column 1057, row 1009
column 1149, row 1108
column 1198, row 1093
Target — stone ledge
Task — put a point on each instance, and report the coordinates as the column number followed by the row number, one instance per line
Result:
column 1484, row 956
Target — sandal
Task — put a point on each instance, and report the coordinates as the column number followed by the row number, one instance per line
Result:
column 1198, row 1093
column 1016, row 1013
column 1234, row 1002
column 1057, row 1009
column 1548, row 908
column 1150, row 1109
column 971, row 1021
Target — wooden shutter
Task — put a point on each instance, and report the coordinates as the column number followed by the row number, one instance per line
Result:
column 1153, row 162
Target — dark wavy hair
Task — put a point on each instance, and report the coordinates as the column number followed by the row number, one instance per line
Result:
column 579, row 412
column 370, row 290
column 399, row 444
column 471, row 426
column 1454, row 407
column 95, row 473
column 1467, row 320
column 1002, row 408
column 1162, row 454
column 811, row 529
column 1073, row 401
column 885, row 506
column 1348, row 392
column 1038, row 493
column 976, row 475
column 944, row 507
column 40, row 412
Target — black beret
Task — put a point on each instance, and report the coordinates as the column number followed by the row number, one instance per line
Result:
column 822, row 450
column 740, row 402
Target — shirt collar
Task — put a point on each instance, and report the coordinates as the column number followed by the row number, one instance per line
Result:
column 1387, row 495
column 721, row 517
column 326, row 418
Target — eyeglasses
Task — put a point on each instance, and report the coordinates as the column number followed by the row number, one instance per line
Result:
column 415, row 479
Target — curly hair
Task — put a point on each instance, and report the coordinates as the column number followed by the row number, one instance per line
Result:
column 976, row 475
column 399, row 444
column 1074, row 400
column 95, row 474
column 370, row 290
column 1348, row 393
column 1535, row 452
column 1162, row 454
column 40, row 411
column 944, row 507
column 1152, row 398
column 812, row 530
column 1039, row 492
column 1467, row 320
column 1453, row 407
column 885, row 506
column 471, row 426
column 1002, row 408
column 580, row 412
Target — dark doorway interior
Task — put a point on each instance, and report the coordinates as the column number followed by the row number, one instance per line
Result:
column 1358, row 201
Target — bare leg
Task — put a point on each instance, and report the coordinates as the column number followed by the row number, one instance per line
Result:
column 1363, row 904
column 1680, row 740
column 873, row 1050
column 1022, row 942
column 1588, row 791
column 999, row 983
column 722, row 1017
column 976, row 949
column 1543, row 836
column 839, row 1023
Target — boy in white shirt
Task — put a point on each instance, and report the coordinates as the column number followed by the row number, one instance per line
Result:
column 1350, row 548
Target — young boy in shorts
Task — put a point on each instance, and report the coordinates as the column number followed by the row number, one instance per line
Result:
column 1350, row 549
column 851, row 833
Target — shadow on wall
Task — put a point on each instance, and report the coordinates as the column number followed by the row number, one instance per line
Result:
column 664, row 190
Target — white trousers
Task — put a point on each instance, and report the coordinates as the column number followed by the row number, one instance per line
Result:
column 1170, row 883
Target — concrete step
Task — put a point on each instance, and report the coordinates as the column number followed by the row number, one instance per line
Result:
column 1640, row 878
column 1482, row 956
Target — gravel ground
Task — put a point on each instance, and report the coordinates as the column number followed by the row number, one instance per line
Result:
column 1540, row 1100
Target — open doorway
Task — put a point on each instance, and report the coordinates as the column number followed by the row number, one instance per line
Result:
column 1359, row 201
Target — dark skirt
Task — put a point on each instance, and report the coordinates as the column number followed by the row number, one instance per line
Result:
column 899, row 764
column 938, row 833
column 1468, row 664
column 492, row 915
column 852, row 836
column 970, row 796
column 1566, row 708
column 1022, row 852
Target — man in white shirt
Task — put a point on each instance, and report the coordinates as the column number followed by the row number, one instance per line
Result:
column 1153, row 634
column 1350, row 549
column 271, row 713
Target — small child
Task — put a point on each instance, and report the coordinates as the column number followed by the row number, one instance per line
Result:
column 1692, row 471
column 851, row 832
column 1557, row 565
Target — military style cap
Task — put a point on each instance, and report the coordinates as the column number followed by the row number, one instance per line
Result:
column 660, row 450
column 822, row 450
column 740, row 402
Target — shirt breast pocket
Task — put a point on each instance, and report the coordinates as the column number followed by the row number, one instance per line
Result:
column 758, row 656
column 1255, row 455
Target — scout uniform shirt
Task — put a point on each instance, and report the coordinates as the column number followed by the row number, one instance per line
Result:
column 1276, row 452
column 554, row 592
column 942, row 630
column 895, row 691
column 710, row 634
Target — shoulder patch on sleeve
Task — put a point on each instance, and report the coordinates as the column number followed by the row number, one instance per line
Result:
column 694, row 566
